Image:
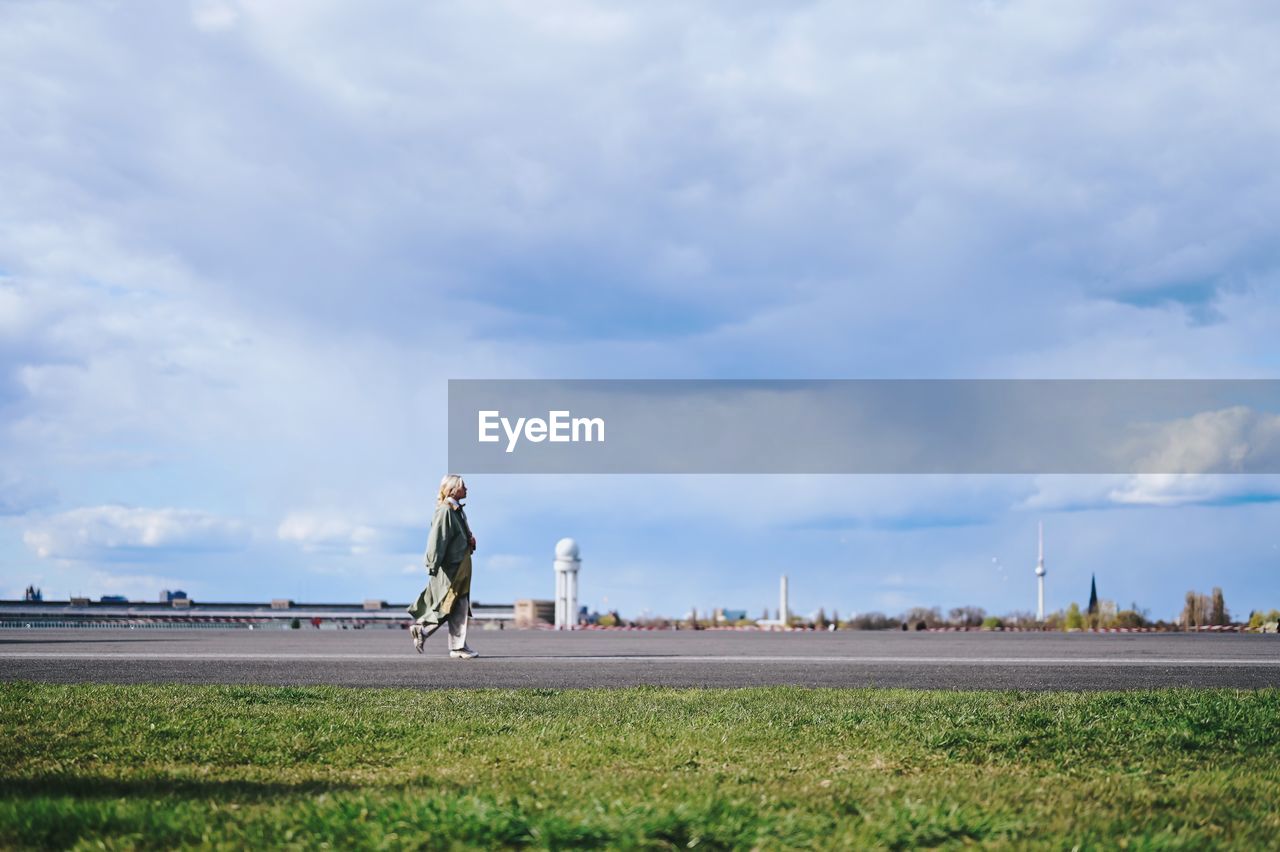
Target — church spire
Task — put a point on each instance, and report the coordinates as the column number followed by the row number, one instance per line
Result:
column 1093, row 595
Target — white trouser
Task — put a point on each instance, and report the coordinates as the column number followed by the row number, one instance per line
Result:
column 458, row 623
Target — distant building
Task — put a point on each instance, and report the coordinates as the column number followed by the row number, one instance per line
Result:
column 169, row 597
column 33, row 594
column 184, row 612
column 531, row 613
column 730, row 615
column 1093, row 595
column 113, row 599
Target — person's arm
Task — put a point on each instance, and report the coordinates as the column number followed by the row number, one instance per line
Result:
column 438, row 542
column 466, row 529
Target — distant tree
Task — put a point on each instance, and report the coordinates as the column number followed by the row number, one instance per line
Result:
column 872, row 621
column 1054, row 620
column 835, row 618
column 1130, row 618
column 1133, row 617
column 967, row 616
column 295, row 624
column 1196, row 611
column 1074, row 619
column 1019, row 617
column 930, row 617
column 992, row 623
column 1218, row 608
column 820, row 620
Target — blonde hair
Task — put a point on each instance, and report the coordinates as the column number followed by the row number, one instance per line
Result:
column 448, row 486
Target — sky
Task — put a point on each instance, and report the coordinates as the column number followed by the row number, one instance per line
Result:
column 245, row 245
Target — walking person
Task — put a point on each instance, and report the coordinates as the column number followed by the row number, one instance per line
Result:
column 447, row 596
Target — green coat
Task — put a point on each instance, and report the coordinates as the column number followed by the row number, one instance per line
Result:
column 448, row 564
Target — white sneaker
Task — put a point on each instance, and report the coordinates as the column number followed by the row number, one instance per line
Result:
column 418, row 639
column 463, row 653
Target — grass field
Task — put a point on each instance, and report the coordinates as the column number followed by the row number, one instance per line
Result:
column 165, row 766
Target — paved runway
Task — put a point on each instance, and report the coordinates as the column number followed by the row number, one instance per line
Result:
column 511, row 658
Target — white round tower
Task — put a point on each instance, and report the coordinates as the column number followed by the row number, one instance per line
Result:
column 567, row 564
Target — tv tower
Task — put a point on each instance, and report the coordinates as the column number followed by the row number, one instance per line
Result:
column 784, row 613
column 1040, row 575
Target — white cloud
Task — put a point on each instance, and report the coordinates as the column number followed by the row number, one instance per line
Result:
column 214, row 15
column 1231, row 440
column 123, row 532
column 327, row 534
column 1192, row 459
column 1072, row 492
column 136, row 587
column 1173, row 489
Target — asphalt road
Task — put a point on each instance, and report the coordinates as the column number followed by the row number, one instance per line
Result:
column 512, row 658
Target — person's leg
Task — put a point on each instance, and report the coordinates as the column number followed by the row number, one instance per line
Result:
column 458, row 623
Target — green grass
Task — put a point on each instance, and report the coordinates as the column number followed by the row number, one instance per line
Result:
column 238, row 766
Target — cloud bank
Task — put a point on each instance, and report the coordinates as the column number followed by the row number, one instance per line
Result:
column 123, row 532
column 243, row 247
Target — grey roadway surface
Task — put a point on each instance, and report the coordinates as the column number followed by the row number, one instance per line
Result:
column 511, row 658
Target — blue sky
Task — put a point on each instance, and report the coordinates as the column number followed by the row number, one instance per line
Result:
column 243, row 247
